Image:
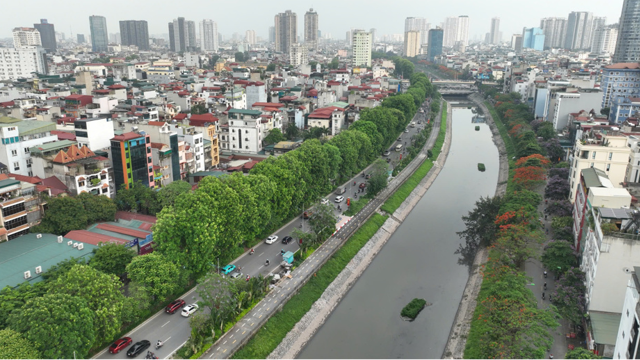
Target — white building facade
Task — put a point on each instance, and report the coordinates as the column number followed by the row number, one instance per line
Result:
column 22, row 62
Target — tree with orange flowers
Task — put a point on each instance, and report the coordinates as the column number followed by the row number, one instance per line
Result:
column 533, row 160
column 528, row 176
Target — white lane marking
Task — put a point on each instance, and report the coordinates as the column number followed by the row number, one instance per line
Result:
column 166, row 323
column 167, row 339
column 261, row 253
column 224, row 342
column 237, row 330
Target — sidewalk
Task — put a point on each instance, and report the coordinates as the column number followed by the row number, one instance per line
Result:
column 534, row 269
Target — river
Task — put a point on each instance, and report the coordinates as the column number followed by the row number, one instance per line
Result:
column 417, row 261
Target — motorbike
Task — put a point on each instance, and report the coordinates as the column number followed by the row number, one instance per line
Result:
column 545, row 274
column 151, row 355
column 159, row 345
column 266, row 263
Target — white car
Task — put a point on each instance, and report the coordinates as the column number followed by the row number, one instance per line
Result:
column 339, row 199
column 324, row 201
column 271, row 239
column 189, row 309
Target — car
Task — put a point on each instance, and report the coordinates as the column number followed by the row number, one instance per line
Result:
column 307, row 214
column 235, row 274
column 339, row 199
column 175, row 305
column 119, row 344
column 138, row 347
column 386, row 153
column 287, row 239
column 189, row 309
column 324, row 201
column 271, row 239
column 227, row 269
column 363, row 185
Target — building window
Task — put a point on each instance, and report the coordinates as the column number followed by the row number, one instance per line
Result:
column 610, row 155
column 593, row 155
column 627, row 312
column 26, row 150
column 104, row 190
column 608, row 167
column 14, row 152
column 16, row 166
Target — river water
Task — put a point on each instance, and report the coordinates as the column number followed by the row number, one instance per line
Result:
column 417, row 261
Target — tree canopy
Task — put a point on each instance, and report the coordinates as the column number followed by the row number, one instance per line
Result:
column 58, row 324
column 112, row 258
column 15, row 346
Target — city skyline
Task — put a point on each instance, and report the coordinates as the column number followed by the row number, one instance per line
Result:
column 389, row 21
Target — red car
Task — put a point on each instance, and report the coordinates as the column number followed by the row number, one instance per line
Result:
column 119, row 344
column 175, row 305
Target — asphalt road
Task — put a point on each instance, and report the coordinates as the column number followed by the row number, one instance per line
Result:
column 174, row 330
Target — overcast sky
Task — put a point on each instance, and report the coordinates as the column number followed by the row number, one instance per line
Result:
column 335, row 16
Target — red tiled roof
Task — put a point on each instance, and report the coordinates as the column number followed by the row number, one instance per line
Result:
column 180, row 116
column 127, row 136
column 92, row 238
column 156, row 123
column 116, row 87
column 29, row 179
column 123, row 230
column 54, row 183
column 63, row 135
column 625, row 66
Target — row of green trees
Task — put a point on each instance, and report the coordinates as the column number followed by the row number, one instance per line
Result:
column 224, row 214
column 79, row 306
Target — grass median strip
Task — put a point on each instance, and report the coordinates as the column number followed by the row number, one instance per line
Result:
column 272, row 333
column 393, row 203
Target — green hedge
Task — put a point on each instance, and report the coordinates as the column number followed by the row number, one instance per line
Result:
column 508, row 143
column 393, row 203
column 272, row 333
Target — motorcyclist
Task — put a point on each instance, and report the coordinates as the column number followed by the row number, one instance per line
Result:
column 267, row 262
column 252, row 251
column 159, row 343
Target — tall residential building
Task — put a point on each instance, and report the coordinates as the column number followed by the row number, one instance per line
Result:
column 604, row 40
column 99, row 34
column 555, row 31
column 286, row 25
column 533, row 38
column 516, row 43
column 494, row 34
column 132, row 160
column 617, row 78
column 362, row 44
column 373, row 34
column 311, row 29
column 135, row 32
column 298, row 54
column 450, row 31
column 272, row 34
column 208, row 35
column 462, row 36
column 22, row 62
column 628, row 44
column 24, row 36
column 417, row 24
column 250, row 37
column 178, row 35
column 191, row 33
column 434, row 48
column 411, row 43
column 579, row 28
column 80, row 38
column 47, row 35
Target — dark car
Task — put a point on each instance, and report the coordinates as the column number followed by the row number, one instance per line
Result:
column 138, row 347
column 119, row 344
column 287, row 239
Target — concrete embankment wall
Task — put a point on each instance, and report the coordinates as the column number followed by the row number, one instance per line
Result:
column 297, row 338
